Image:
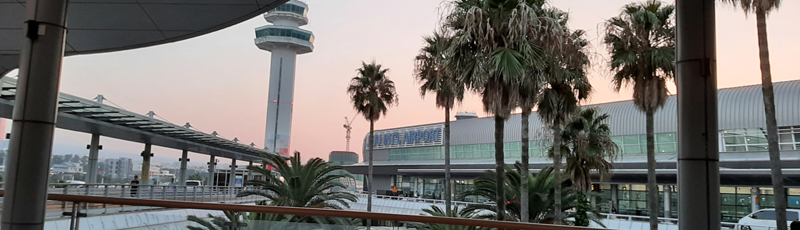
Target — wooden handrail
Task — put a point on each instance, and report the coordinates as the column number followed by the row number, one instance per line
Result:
column 306, row 212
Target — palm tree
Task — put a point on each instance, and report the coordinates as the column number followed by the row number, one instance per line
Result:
column 588, row 147
column 309, row 185
column 492, row 46
column 641, row 41
column 431, row 72
column 372, row 93
column 231, row 221
column 455, row 212
column 541, row 194
column 762, row 8
column 565, row 86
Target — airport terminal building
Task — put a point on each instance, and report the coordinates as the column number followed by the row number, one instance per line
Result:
column 412, row 158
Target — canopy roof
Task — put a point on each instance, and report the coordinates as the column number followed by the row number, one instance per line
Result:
column 97, row 26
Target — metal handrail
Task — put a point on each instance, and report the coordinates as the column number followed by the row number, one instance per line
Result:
column 306, row 212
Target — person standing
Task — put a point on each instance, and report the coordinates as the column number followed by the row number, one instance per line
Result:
column 135, row 185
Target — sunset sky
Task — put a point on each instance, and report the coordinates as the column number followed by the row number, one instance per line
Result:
column 218, row 82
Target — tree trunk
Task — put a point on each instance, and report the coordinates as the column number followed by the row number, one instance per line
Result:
column 447, row 186
column 523, row 199
column 499, row 160
column 370, row 188
column 652, row 187
column 772, row 123
column 557, row 172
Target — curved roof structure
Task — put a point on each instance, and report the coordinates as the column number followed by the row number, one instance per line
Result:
column 105, row 26
column 739, row 107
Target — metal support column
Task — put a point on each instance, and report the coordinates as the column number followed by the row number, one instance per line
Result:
column 94, row 152
column 34, row 115
column 755, row 200
column 184, row 159
column 667, row 201
column 232, row 179
column 250, row 173
column 698, row 149
column 212, row 164
column 146, row 154
column 614, row 198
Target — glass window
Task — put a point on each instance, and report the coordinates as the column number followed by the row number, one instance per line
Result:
column 734, row 140
column 665, row 138
column 632, row 149
column 759, row 139
column 757, row 148
column 735, row 149
column 630, row 140
column 666, row 148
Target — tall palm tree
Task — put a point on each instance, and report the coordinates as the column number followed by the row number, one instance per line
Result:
column 372, row 93
column 491, row 49
column 566, row 84
column 762, row 8
column 641, row 41
column 588, row 147
column 309, row 185
column 434, row 76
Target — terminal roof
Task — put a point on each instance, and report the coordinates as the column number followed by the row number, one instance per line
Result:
column 105, row 26
column 82, row 115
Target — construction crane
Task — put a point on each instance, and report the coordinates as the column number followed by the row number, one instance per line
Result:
column 348, row 128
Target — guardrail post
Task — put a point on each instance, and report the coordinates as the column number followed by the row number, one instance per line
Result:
column 184, row 193
column 164, row 193
column 74, row 222
column 194, row 194
column 152, row 189
column 64, row 203
column 202, row 194
column 105, row 194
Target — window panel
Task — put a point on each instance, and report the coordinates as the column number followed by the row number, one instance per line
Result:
column 757, row 148
column 665, row 138
column 759, row 139
column 735, row 149
column 734, row 140
column 630, row 140
column 666, row 148
column 632, row 149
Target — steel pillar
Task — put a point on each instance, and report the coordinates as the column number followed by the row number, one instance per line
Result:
column 232, row 179
column 667, row 201
column 34, row 115
column 94, row 152
column 212, row 163
column 698, row 149
column 249, row 173
column 755, row 200
column 184, row 159
column 146, row 154
column 614, row 198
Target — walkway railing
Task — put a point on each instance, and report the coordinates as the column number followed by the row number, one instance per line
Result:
column 77, row 202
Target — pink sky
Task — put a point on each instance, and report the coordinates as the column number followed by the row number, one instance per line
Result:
column 218, row 82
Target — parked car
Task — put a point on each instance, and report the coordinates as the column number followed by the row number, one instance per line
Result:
column 764, row 219
column 194, row 183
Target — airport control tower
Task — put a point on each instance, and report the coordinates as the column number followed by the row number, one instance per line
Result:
column 285, row 40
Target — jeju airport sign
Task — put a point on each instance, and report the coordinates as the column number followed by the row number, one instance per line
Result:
column 409, row 137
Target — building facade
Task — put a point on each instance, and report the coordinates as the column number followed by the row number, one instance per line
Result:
column 412, row 158
column 118, row 167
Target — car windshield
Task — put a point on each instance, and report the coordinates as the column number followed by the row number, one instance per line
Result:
column 192, row 183
column 770, row 215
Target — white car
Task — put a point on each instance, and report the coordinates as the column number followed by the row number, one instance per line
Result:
column 764, row 219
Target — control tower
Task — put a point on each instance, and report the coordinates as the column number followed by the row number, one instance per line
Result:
column 285, row 40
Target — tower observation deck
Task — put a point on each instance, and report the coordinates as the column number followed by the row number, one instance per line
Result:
column 285, row 40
